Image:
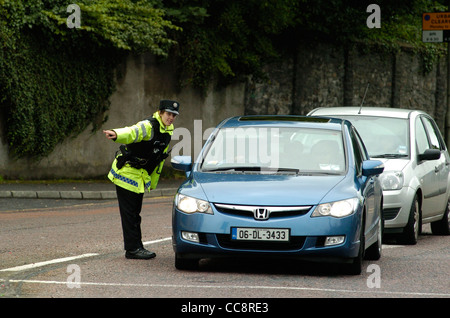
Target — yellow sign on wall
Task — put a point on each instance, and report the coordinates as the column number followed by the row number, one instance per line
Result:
column 436, row 21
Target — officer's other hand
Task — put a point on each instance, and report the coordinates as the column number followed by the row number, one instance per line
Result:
column 110, row 134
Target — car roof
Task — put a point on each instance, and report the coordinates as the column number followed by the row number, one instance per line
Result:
column 365, row 111
column 284, row 120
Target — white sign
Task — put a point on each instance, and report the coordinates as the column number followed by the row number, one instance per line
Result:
column 433, row 36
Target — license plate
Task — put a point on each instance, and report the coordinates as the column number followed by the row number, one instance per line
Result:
column 260, row 234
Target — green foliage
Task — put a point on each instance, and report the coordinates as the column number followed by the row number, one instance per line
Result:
column 125, row 24
column 402, row 27
column 55, row 81
column 343, row 22
column 228, row 39
column 52, row 92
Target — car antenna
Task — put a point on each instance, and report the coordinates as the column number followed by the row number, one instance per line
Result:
column 360, row 107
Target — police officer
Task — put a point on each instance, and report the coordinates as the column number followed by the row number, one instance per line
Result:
column 137, row 167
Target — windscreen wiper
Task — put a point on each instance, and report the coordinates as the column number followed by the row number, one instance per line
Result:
column 237, row 168
column 286, row 170
column 390, row 155
column 252, row 168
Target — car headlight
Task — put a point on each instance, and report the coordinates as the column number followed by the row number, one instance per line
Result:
column 192, row 205
column 336, row 209
column 391, row 180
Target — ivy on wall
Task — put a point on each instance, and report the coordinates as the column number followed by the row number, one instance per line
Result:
column 55, row 81
column 50, row 92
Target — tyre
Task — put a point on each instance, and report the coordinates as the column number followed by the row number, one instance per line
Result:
column 355, row 267
column 412, row 229
column 442, row 227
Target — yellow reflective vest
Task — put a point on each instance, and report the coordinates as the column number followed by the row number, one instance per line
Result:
column 134, row 179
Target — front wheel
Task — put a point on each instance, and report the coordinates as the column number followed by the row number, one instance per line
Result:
column 355, row 267
column 412, row 229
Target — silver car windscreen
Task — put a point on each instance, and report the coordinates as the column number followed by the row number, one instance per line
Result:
column 383, row 137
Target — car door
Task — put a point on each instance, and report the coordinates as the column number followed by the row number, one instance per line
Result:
column 425, row 170
column 368, row 185
column 440, row 168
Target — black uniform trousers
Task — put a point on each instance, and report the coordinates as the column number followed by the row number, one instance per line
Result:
column 130, row 205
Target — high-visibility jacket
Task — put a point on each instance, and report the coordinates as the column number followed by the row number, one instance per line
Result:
column 138, row 179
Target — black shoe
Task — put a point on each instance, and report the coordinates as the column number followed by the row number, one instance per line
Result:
column 140, row 253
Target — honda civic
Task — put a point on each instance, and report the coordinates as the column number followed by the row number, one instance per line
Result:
column 279, row 186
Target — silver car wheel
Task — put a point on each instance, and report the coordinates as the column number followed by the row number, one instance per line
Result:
column 411, row 231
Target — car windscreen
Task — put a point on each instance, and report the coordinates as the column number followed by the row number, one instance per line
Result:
column 275, row 150
column 383, row 137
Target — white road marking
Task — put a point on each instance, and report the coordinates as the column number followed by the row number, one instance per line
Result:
column 66, row 259
column 60, row 260
column 40, row 264
column 286, row 288
column 157, row 241
column 392, row 246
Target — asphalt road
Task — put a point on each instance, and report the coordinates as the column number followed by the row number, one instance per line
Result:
column 36, row 238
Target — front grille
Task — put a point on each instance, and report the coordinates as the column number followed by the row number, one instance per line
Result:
column 295, row 243
column 390, row 214
column 274, row 211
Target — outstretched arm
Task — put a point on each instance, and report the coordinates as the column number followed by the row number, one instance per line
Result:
column 110, row 134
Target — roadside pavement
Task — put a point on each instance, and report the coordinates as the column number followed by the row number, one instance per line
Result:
column 90, row 190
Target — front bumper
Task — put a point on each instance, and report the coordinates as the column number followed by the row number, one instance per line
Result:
column 396, row 207
column 307, row 236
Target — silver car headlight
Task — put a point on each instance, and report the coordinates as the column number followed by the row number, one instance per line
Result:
column 336, row 209
column 391, row 180
column 188, row 204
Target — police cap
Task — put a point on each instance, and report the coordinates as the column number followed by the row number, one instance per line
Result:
column 170, row 106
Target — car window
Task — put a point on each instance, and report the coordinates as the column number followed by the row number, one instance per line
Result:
column 432, row 134
column 421, row 137
column 357, row 152
column 364, row 155
column 382, row 136
column 276, row 148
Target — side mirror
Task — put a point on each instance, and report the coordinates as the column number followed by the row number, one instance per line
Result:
column 182, row 163
column 372, row 168
column 430, row 154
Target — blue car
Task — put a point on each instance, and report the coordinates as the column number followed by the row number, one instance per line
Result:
column 279, row 186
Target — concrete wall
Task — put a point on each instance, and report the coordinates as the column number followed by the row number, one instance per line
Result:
column 311, row 76
column 142, row 84
column 323, row 75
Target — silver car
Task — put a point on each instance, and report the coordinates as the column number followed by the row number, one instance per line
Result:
column 416, row 179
